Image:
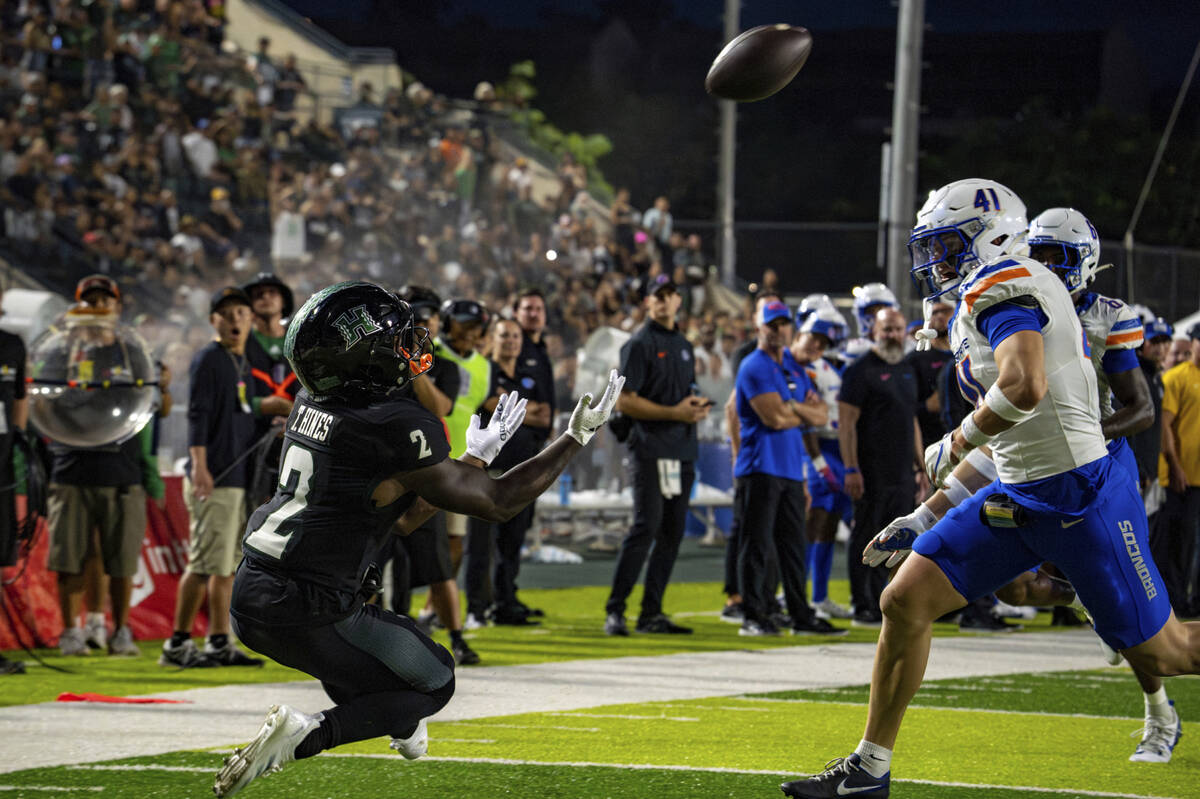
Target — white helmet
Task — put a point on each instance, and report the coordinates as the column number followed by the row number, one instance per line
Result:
column 813, row 302
column 825, row 320
column 872, row 294
column 961, row 225
column 1064, row 240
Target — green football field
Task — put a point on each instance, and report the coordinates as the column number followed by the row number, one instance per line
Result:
column 1049, row 734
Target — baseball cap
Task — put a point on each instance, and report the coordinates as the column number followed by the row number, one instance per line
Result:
column 775, row 310
column 1194, row 332
column 227, row 295
column 465, row 311
column 270, row 279
column 1158, row 328
column 97, row 283
column 660, row 283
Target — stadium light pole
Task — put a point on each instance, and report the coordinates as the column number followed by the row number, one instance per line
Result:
column 906, row 107
column 726, row 162
column 1154, row 164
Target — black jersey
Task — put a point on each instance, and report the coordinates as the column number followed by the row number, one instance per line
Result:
column 322, row 527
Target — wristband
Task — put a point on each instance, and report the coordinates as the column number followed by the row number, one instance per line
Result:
column 982, row 463
column 925, row 517
column 971, row 432
column 851, row 470
column 819, row 463
column 1001, row 406
column 955, row 491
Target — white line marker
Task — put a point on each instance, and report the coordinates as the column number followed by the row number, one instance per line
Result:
column 623, row 716
column 465, row 740
column 1040, row 713
column 523, row 726
column 720, row 770
column 52, row 788
column 141, row 767
column 957, row 687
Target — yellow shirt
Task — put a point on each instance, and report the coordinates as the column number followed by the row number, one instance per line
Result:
column 1181, row 396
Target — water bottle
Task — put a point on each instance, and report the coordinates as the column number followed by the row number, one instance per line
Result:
column 564, row 489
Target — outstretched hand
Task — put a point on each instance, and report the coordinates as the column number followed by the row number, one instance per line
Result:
column 586, row 418
column 485, row 443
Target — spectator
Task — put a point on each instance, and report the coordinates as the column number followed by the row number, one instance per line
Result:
column 659, row 223
column 1179, row 351
column 218, row 228
column 621, row 216
column 1179, row 474
column 15, row 416
column 880, row 443
column 288, row 86
column 97, row 489
column 423, row 556
column 222, row 408
column 659, row 371
column 775, row 400
column 1147, row 445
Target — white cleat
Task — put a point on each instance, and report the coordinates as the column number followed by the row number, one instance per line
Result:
column 272, row 749
column 1007, row 611
column 1158, row 739
column 415, row 745
column 828, row 609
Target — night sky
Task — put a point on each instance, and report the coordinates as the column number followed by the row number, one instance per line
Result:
column 1064, row 100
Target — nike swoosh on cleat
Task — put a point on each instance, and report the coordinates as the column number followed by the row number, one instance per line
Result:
column 1065, row 525
column 842, row 790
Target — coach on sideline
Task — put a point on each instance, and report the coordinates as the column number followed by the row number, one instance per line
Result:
column 775, row 402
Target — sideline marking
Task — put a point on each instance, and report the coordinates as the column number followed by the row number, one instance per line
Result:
column 622, row 716
column 500, row 761
column 141, row 767
column 470, row 723
column 1040, row 713
column 52, row 788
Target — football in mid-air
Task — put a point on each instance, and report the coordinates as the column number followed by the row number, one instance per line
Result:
column 758, row 62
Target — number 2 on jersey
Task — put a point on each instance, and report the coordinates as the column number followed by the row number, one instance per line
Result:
column 295, row 481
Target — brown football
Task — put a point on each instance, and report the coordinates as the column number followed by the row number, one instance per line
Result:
column 758, row 62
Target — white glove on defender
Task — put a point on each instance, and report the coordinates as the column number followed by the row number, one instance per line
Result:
column 586, row 419
column 894, row 542
column 938, row 460
column 486, row 443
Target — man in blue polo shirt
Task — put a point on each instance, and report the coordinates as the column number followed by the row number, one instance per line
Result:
column 775, row 402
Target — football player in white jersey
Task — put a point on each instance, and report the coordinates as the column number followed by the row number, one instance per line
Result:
column 1066, row 241
column 868, row 301
column 819, row 332
column 1058, row 497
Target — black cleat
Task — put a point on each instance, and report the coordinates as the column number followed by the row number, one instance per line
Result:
column 464, row 655
column 986, row 623
column 614, row 624
column 844, row 776
column 661, row 625
column 815, row 626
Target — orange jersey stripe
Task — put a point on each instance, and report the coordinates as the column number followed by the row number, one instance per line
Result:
column 1122, row 338
column 991, row 280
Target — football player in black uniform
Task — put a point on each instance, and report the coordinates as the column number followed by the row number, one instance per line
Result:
column 356, row 459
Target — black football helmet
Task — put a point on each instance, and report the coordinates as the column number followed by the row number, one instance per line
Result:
column 355, row 341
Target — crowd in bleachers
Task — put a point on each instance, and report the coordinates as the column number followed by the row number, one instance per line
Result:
column 137, row 142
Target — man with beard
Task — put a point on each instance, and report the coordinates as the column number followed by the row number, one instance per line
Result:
column 880, row 441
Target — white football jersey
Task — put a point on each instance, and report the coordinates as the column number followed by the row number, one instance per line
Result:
column 828, row 381
column 1110, row 324
column 1064, row 431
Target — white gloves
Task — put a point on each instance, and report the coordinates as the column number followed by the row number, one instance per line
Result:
column 925, row 337
column 486, row 443
column 894, row 542
column 938, row 460
column 585, row 419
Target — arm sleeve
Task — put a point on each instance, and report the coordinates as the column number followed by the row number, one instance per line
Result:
column 1117, row 361
column 1005, row 318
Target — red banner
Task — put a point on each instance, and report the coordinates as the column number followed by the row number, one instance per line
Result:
column 31, row 600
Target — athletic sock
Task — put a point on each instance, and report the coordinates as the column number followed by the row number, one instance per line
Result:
column 179, row 637
column 316, row 741
column 96, row 618
column 456, row 636
column 1158, row 706
column 218, row 641
column 821, row 553
column 876, row 760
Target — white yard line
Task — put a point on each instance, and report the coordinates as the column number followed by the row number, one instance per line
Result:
column 501, row 761
column 48, row 734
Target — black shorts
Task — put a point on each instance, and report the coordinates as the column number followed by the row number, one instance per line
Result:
column 428, row 549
